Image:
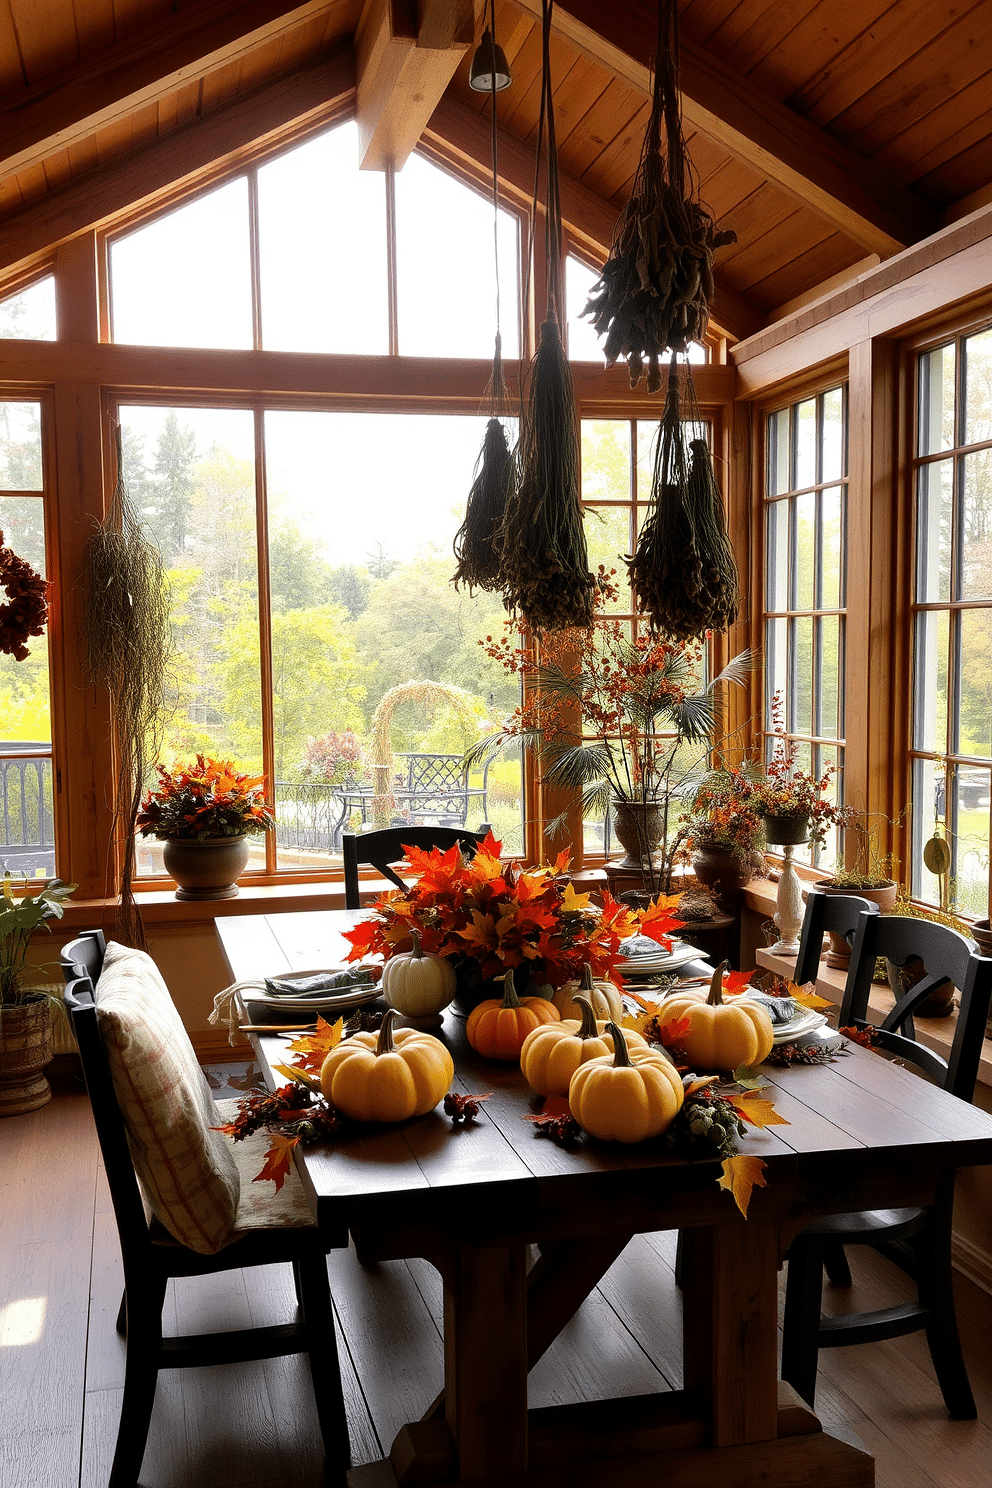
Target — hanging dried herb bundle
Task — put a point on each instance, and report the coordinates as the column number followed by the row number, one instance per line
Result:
column 684, row 574
column 546, row 576
column 128, row 644
column 477, row 541
column 656, row 287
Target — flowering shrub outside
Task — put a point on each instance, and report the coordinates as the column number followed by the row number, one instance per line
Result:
column 209, row 798
column 503, row 916
column 334, row 758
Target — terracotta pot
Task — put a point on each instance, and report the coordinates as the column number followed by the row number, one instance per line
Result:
column 25, row 1048
column 638, row 825
column 839, row 952
column 723, row 872
column 207, row 869
column 785, row 831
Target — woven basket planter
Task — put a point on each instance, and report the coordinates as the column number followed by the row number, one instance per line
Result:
column 25, row 1048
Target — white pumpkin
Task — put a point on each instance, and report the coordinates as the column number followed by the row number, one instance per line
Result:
column 607, row 1003
column 418, row 985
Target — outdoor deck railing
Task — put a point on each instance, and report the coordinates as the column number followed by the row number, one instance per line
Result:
column 27, row 836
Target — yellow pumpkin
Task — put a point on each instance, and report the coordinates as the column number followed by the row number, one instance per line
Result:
column 387, row 1076
column 552, row 1053
column 605, row 998
column 721, row 1036
column 634, row 1094
column 416, row 985
column 498, row 1029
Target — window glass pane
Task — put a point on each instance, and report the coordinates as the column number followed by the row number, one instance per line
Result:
column 831, row 853
column 777, row 556
column 29, row 315
column 605, row 460
column 445, row 272
column 976, row 525
column 978, row 390
column 776, row 663
column 376, row 656
column 608, row 541
column 930, row 680
column 20, row 447
column 804, row 515
column 833, row 435
column 830, row 677
column 802, row 677
column 975, row 652
column 191, row 475
column 647, row 433
column 778, row 453
column 936, row 414
column 831, row 548
column 928, row 811
column 322, row 249
column 185, row 279
column 584, row 344
column 805, row 444
column 934, row 507
column 970, row 840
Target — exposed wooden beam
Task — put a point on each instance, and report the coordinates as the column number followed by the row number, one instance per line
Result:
column 406, row 56
column 859, row 199
column 131, row 74
column 282, row 110
column 462, row 136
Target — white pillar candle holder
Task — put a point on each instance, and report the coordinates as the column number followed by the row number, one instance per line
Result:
column 788, row 914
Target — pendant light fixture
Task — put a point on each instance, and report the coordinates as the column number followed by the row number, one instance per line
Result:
column 490, row 72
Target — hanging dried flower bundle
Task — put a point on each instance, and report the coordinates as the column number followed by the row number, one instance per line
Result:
column 128, row 643
column 656, row 287
column 26, row 610
column 546, row 577
column 684, row 574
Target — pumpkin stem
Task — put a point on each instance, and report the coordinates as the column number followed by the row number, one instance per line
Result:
column 588, row 1027
column 586, row 984
column 715, row 998
column 510, row 998
column 384, row 1043
column 417, row 952
column 620, row 1055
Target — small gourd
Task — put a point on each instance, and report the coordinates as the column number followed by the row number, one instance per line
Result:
column 635, row 1094
column 604, row 996
column 552, row 1053
column 418, row 985
column 388, row 1076
column 498, row 1029
column 721, row 1036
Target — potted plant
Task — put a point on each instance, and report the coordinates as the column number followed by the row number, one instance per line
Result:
column 869, row 878
column 624, row 722
column 726, row 831
column 25, row 1007
column 790, row 800
column 204, row 814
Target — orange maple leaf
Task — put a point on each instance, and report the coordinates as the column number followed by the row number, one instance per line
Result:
column 362, row 937
column 757, row 1109
column 562, row 861
column 277, row 1160
column 571, row 901
column 807, row 998
column 674, row 1030
column 736, row 981
column 315, row 1047
column 740, row 1175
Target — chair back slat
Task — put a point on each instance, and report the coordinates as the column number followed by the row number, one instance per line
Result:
column 380, row 850
column 826, row 912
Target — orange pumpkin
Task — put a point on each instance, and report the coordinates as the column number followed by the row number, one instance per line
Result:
column 498, row 1029
column 552, row 1053
column 721, row 1036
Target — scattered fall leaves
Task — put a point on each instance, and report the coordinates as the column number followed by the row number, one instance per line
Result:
column 740, row 1175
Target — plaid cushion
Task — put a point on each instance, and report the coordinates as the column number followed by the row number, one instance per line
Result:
column 188, row 1172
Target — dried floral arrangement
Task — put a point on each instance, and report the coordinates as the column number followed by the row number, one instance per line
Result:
column 25, row 612
column 787, row 790
column 210, row 798
column 726, row 811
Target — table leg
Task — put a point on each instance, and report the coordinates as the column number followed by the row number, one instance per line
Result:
column 485, row 1358
column 730, row 1328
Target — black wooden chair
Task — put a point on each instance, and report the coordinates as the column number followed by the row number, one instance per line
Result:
column 380, row 850
column 152, row 1258
column 916, row 1239
column 826, row 912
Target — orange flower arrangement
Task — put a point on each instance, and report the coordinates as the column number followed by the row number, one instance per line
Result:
column 501, row 915
column 210, row 798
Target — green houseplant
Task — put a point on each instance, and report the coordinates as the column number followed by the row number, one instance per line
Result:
column 25, row 1006
column 204, row 814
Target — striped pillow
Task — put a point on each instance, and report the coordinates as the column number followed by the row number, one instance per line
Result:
column 188, row 1172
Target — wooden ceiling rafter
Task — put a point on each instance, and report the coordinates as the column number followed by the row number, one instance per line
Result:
column 859, row 199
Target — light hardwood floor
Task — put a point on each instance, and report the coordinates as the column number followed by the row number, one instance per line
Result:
column 254, row 1426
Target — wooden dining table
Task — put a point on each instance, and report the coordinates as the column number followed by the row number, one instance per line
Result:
column 522, row 1229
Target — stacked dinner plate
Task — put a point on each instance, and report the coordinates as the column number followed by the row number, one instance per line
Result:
column 283, row 999
column 645, row 957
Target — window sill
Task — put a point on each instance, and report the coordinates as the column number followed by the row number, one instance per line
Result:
column 161, row 907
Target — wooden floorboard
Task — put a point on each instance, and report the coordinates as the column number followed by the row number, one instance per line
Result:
column 253, row 1426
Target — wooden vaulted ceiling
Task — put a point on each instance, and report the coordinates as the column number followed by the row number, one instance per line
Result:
column 827, row 133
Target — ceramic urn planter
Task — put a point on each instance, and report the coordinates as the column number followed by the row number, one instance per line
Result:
column 207, row 869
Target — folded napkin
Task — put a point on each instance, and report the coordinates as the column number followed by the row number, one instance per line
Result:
column 321, row 983
column 781, row 1010
column 640, row 945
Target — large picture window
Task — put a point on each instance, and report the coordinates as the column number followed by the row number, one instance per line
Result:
column 952, row 723
column 805, row 586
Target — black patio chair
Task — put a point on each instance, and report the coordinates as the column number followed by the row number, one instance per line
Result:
column 918, row 1240
column 380, row 850
column 152, row 1257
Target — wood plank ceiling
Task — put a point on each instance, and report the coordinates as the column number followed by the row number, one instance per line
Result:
column 822, row 131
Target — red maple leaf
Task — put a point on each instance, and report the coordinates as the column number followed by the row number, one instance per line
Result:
column 277, row 1160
